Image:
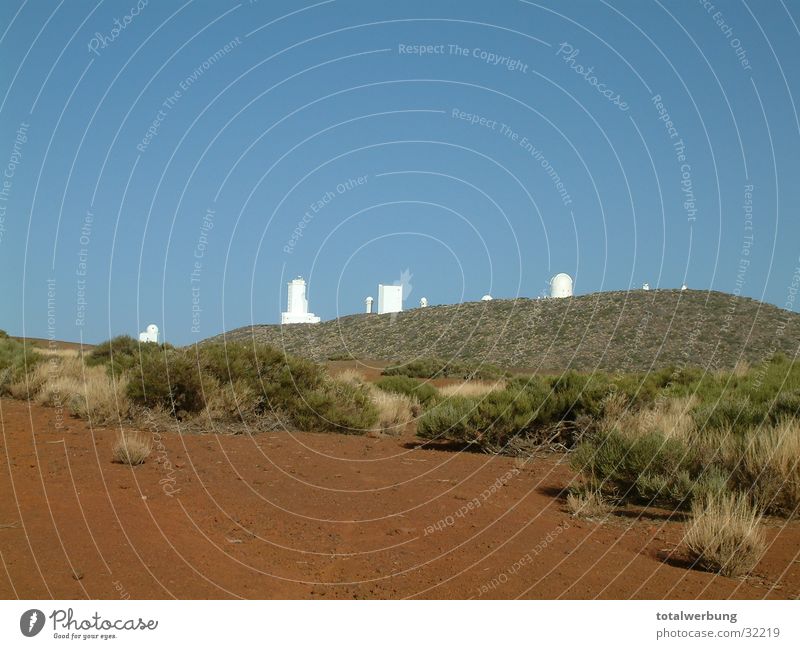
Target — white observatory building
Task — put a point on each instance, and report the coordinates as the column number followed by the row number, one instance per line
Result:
column 423, row 302
column 390, row 298
column 149, row 335
column 561, row 285
column 297, row 307
column 368, row 304
column 487, row 298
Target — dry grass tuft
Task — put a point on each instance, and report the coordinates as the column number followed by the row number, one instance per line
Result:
column 770, row 466
column 351, row 376
column 587, row 503
column 471, row 388
column 62, row 380
column 395, row 411
column 724, row 535
column 132, row 448
column 672, row 417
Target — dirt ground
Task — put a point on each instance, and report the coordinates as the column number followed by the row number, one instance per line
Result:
column 280, row 515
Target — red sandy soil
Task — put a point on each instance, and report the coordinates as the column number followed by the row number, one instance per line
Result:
column 280, row 515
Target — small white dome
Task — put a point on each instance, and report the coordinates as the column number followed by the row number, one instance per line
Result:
column 423, row 302
column 486, row 298
column 561, row 285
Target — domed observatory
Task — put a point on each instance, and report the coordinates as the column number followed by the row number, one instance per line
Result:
column 149, row 335
column 297, row 307
column 487, row 298
column 423, row 302
column 368, row 304
column 561, row 285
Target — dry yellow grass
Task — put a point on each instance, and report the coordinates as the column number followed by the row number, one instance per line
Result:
column 132, row 448
column 672, row 417
column 770, row 462
column 351, row 376
column 724, row 535
column 63, row 381
column 587, row 503
column 395, row 411
column 471, row 388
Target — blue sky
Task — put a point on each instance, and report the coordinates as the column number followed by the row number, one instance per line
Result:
column 430, row 136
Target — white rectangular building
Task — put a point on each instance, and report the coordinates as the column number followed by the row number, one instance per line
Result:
column 297, row 307
column 390, row 298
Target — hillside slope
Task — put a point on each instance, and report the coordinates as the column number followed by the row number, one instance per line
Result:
column 614, row 331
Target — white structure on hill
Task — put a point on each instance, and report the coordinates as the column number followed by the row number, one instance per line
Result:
column 645, row 286
column 561, row 285
column 390, row 298
column 297, row 307
column 368, row 304
column 684, row 287
column 487, row 298
column 149, row 335
column 423, row 302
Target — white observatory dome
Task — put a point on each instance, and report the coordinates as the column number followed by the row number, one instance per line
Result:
column 149, row 335
column 486, row 298
column 561, row 285
column 423, row 302
column 645, row 286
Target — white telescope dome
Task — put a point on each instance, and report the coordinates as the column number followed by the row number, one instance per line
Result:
column 423, row 302
column 561, row 285
column 486, row 298
column 149, row 335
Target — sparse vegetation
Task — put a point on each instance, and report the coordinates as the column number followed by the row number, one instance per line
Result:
column 439, row 368
column 610, row 331
column 724, row 535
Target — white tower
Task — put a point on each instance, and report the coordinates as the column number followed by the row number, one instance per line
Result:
column 390, row 298
column 149, row 335
column 297, row 307
column 561, row 285
column 423, row 302
column 368, row 304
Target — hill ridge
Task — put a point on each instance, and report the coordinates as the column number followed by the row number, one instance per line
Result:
column 612, row 331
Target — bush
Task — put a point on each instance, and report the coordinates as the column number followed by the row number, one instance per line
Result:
column 425, row 393
column 298, row 391
column 724, row 535
column 15, row 359
column 168, row 380
column 650, row 468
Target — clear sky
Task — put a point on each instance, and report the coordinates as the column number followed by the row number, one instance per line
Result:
column 180, row 165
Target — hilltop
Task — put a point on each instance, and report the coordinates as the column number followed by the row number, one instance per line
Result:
column 612, row 331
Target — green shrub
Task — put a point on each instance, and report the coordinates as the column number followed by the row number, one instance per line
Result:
column 648, row 468
column 299, row 391
column 15, row 359
column 124, row 353
column 168, row 380
column 425, row 393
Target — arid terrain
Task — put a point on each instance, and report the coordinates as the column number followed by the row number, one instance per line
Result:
column 301, row 515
